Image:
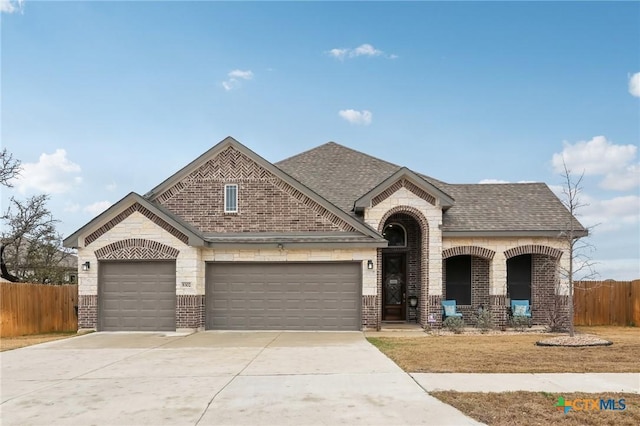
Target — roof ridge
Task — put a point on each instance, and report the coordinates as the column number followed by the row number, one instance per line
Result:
column 341, row 146
column 499, row 184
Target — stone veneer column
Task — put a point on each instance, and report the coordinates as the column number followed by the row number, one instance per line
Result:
column 498, row 289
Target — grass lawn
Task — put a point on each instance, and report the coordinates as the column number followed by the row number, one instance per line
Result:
column 538, row 408
column 8, row 343
column 513, row 353
column 519, row 354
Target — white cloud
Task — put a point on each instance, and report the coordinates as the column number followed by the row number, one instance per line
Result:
column 97, row 207
column 618, row 269
column 111, row 186
column 235, row 79
column 9, row 6
column 634, row 85
column 356, row 117
column 53, row 173
column 363, row 50
column 338, row 53
column 366, row 50
column 624, row 179
column 599, row 156
column 245, row 75
column 606, row 215
column 610, row 215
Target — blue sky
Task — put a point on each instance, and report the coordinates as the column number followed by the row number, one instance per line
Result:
column 103, row 98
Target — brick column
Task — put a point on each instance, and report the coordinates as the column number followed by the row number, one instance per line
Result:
column 88, row 311
column 190, row 311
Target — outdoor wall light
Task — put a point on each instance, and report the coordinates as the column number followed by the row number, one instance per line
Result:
column 369, row 264
column 413, row 301
column 86, row 266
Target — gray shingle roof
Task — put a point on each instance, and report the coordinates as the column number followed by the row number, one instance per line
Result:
column 342, row 175
column 505, row 207
column 337, row 173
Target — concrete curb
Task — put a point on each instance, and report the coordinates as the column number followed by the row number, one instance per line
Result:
column 534, row 382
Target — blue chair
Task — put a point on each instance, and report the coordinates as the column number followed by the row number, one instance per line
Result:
column 449, row 309
column 521, row 308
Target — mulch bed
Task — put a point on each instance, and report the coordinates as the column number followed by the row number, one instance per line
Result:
column 577, row 341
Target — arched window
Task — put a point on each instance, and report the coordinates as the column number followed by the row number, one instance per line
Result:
column 458, row 279
column 395, row 234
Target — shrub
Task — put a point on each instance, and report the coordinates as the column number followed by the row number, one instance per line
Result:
column 519, row 322
column 484, row 320
column 455, row 324
column 557, row 315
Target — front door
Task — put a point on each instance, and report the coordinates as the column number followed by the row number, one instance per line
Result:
column 394, row 267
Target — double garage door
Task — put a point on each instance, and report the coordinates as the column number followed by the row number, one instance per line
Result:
column 283, row 296
column 141, row 296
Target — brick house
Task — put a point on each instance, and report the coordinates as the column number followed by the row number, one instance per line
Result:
column 330, row 239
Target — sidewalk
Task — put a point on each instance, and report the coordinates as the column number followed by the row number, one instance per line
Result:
column 538, row 382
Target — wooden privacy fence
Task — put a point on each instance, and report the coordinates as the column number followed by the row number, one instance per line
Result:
column 37, row 308
column 606, row 303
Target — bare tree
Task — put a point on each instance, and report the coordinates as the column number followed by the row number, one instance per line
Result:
column 580, row 265
column 10, row 168
column 33, row 246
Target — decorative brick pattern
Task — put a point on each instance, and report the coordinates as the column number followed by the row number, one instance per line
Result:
column 265, row 202
column 533, row 249
column 137, row 248
column 482, row 252
column 370, row 312
column 88, row 311
column 403, row 183
column 190, row 311
column 317, row 208
column 122, row 216
column 386, row 193
column 420, row 193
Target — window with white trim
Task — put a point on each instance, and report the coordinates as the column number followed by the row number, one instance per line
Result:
column 231, row 198
column 395, row 234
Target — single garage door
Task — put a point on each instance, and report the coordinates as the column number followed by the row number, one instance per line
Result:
column 283, row 296
column 137, row 296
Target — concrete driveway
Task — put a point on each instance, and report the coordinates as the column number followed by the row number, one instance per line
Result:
column 269, row 378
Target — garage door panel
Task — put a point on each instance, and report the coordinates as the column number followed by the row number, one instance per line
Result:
column 137, row 296
column 295, row 296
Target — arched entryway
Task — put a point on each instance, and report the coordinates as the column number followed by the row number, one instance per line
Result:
column 466, row 279
column 532, row 274
column 402, row 267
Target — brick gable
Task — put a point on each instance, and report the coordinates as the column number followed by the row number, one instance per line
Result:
column 136, row 207
column 403, row 183
column 266, row 202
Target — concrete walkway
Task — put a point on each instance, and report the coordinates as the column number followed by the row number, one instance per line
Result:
column 500, row 382
column 539, row 382
column 221, row 378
